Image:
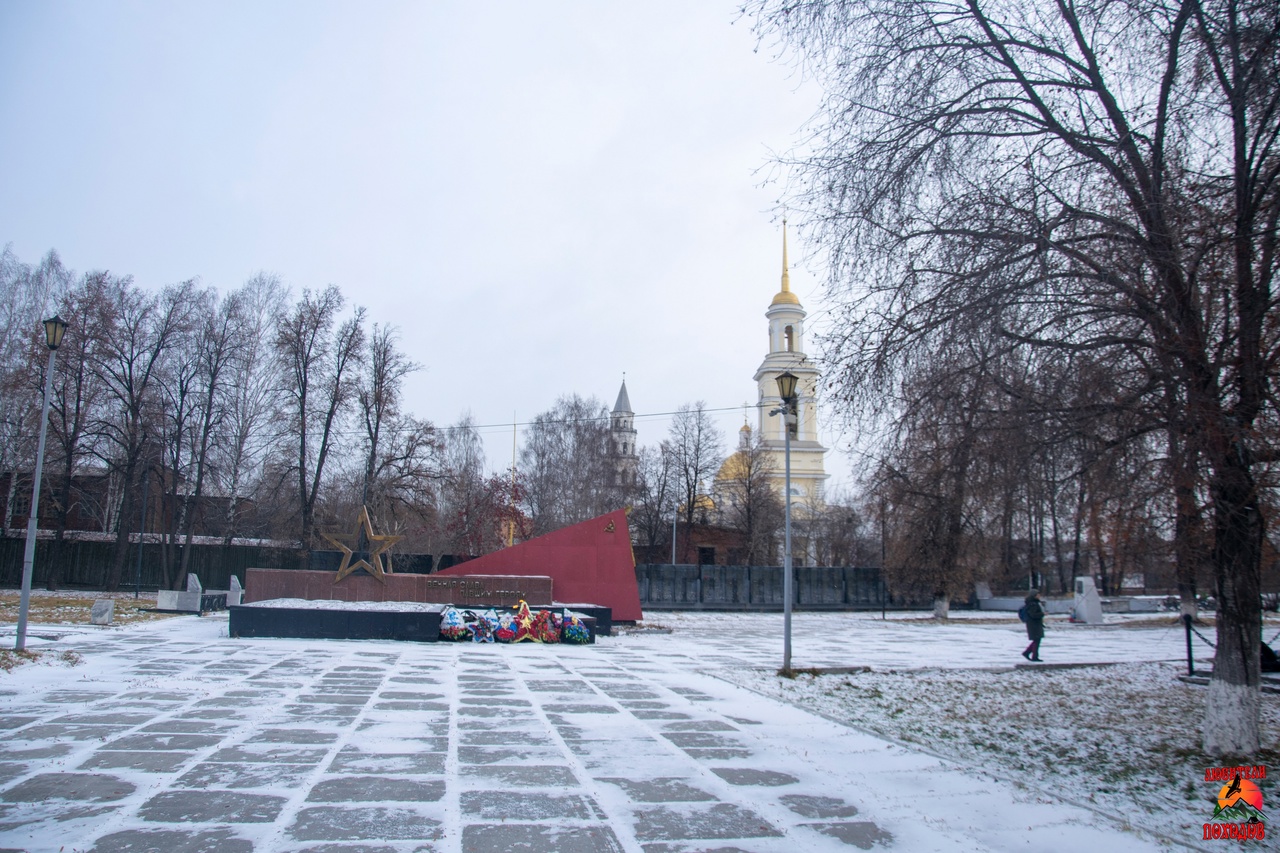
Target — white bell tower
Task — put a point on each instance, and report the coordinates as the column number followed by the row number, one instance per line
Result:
column 786, row 353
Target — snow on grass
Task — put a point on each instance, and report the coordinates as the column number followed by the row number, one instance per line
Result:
column 1123, row 738
column 10, row 658
column 72, row 607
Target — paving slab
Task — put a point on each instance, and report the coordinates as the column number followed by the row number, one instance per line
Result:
column 375, row 789
column 211, row 807
column 342, row 823
column 508, row 838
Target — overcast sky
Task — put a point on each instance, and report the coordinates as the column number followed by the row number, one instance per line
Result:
column 542, row 196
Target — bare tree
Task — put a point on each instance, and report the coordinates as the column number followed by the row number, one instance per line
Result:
column 216, row 343
column 321, row 357
column 746, row 501
column 657, row 494
column 76, row 404
column 478, row 513
column 26, row 297
column 565, row 464
column 1085, row 176
column 137, row 331
column 248, row 430
column 695, row 443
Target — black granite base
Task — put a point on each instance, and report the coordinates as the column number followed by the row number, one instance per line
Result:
column 315, row 624
column 603, row 616
column 306, row 623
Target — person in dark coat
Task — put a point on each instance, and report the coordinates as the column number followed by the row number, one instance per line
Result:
column 1035, row 626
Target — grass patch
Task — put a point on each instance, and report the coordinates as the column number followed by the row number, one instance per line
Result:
column 66, row 608
column 10, row 659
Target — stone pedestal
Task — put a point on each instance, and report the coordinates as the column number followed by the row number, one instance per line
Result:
column 183, row 602
column 1088, row 605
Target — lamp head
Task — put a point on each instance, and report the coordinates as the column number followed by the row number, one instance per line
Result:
column 787, row 386
column 54, row 328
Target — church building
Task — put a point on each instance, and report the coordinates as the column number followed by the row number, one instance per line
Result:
column 786, row 353
column 623, row 455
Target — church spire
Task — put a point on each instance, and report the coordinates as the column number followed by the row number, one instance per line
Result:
column 785, row 296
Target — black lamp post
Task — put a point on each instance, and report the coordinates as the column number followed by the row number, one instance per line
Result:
column 54, row 328
column 787, row 391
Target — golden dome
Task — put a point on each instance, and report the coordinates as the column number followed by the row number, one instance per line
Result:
column 734, row 469
column 785, row 297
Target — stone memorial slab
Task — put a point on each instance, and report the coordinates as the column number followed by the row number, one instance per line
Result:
column 103, row 611
column 170, row 600
column 1087, row 607
column 235, row 595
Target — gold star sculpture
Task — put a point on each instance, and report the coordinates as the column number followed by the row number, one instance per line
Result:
column 377, row 546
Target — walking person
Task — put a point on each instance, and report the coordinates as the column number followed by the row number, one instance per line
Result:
column 1034, row 609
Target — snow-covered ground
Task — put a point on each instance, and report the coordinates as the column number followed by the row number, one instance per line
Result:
column 172, row 736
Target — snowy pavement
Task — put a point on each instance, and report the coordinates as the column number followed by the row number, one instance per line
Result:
column 171, row 736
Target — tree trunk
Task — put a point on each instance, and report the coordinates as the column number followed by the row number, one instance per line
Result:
column 53, row 574
column 115, row 569
column 1186, row 525
column 1231, row 725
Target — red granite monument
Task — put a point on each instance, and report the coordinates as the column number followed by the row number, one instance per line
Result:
column 589, row 563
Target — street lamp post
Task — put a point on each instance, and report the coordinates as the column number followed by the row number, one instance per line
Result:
column 675, row 516
column 787, row 391
column 54, row 328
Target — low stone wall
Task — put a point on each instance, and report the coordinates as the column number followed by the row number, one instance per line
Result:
column 667, row 587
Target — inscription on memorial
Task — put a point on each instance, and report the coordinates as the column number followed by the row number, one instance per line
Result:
column 461, row 590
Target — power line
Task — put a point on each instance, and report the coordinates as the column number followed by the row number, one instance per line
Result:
column 648, row 415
